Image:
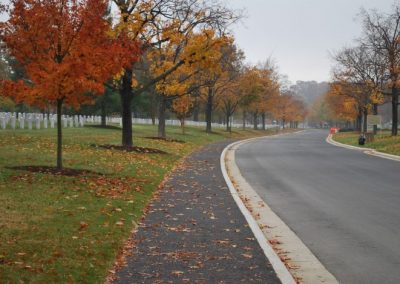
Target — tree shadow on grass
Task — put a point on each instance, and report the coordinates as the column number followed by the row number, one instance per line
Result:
column 55, row 171
column 109, row 127
column 166, row 139
column 141, row 150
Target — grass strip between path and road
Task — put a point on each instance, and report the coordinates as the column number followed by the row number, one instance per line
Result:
column 56, row 228
column 383, row 141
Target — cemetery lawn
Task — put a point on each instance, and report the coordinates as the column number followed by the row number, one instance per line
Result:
column 58, row 229
column 384, row 142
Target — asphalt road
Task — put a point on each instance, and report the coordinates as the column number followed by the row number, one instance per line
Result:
column 343, row 204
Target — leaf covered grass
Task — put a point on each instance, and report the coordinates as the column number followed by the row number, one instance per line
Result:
column 383, row 141
column 56, row 228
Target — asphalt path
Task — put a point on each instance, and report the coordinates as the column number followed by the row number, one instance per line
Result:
column 194, row 232
column 343, row 204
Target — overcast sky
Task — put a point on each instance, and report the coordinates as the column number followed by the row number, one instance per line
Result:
column 299, row 34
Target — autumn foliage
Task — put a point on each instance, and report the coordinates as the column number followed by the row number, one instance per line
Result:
column 66, row 50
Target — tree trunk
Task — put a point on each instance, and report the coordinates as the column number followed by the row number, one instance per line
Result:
column 196, row 109
column 395, row 110
column 59, row 134
column 255, row 120
column 162, row 108
column 283, row 123
column 183, row 126
column 365, row 122
column 103, row 114
column 228, row 124
column 244, row 120
column 154, row 103
column 359, row 121
column 375, row 111
column 263, row 121
column 126, row 104
column 209, row 109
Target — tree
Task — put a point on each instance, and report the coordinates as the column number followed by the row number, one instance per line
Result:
column 284, row 108
column 363, row 70
column 230, row 94
column 182, row 107
column 340, row 107
column 264, row 87
column 66, row 51
column 155, row 23
column 216, row 76
column 199, row 53
column 382, row 34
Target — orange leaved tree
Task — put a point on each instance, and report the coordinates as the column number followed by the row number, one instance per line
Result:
column 182, row 107
column 66, row 50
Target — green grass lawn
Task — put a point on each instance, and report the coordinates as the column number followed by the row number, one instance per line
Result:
column 57, row 229
column 384, row 142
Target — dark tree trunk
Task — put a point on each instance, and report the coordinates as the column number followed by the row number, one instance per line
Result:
column 395, row 111
column 209, row 109
column 103, row 113
column 263, row 121
column 221, row 119
column 162, row 108
column 196, row 109
column 59, row 134
column 283, row 123
column 244, row 120
column 126, row 104
column 359, row 121
column 154, row 104
column 375, row 111
column 255, row 120
column 228, row 123
column 365, row 122
column 183, row 125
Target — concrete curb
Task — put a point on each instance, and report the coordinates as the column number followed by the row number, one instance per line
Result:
column 280, row 269
column 368, row 151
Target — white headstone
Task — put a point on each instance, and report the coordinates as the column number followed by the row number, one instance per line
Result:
column 45, row 123
column 3, row 121
column 37, row 121
column 52, row 120
column 65, row 121
column 21, row 121
column 29, row 121
column 13, row 121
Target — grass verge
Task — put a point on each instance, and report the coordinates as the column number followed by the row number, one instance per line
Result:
column 383, row 142
column 57, row 229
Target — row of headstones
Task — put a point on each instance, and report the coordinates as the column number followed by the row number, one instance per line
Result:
column 23, row 120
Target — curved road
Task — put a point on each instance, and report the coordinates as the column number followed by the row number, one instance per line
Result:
column 343, row 204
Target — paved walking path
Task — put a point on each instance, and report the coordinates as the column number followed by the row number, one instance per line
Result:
column 194, row 232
